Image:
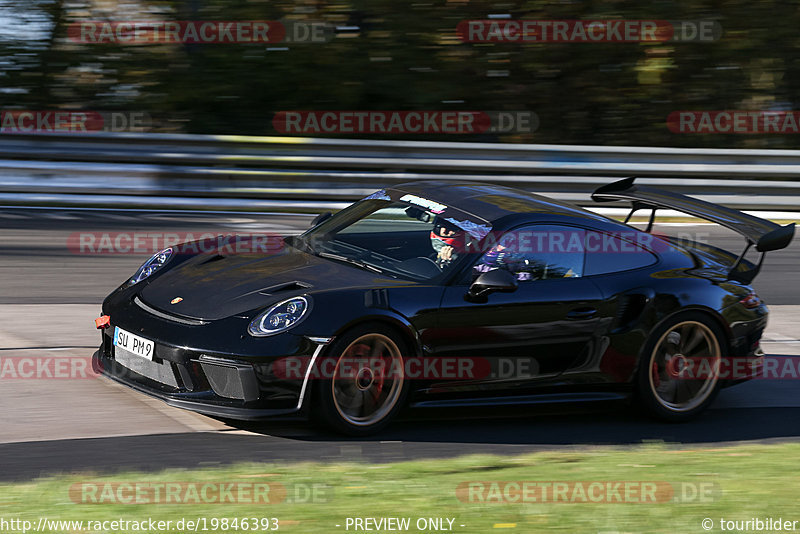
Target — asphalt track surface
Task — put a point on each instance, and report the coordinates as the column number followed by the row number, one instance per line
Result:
column 49, row 295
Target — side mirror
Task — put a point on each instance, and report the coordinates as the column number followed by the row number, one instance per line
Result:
column 496, row 280
column 321, row 218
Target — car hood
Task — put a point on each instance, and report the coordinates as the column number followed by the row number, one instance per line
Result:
column 216, row 286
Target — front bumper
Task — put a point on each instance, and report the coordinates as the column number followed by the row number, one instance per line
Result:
column 222, row 383
column 201, row 403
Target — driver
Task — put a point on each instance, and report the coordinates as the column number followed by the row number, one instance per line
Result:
column 501, row 257
column 446, row 239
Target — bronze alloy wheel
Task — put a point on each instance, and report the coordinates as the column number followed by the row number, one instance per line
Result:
column 368, row 380
column 684, row 366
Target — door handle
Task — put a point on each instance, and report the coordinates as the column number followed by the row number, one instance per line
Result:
column 582, row 313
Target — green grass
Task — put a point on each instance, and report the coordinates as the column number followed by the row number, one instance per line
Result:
column 748, row 481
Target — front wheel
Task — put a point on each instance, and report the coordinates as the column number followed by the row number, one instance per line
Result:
column 367, row 386
column 678, row 374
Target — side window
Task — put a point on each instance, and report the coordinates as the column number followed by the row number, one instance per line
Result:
column 610, row 253
column 536, row 252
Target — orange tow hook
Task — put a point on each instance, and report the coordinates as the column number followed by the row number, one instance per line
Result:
column 104, row 321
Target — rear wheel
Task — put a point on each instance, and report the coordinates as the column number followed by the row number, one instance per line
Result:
column 367, row 387
column 679, row 373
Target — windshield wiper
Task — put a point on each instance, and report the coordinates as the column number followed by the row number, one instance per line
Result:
column 351, row 261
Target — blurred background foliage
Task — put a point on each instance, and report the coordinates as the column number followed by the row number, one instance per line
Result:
column 407, row 56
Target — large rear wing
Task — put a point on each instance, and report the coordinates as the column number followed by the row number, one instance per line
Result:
column 765, row 235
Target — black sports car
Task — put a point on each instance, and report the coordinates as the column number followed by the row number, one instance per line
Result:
column 439, row 294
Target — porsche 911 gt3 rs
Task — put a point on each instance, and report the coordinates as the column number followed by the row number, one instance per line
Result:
column 433, row 294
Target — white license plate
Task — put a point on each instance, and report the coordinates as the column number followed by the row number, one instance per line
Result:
column 133, row 343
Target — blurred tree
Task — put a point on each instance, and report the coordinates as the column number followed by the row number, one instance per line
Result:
column 408, row 57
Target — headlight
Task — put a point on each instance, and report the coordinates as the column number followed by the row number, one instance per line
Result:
column 155, row 262
column 280, row 317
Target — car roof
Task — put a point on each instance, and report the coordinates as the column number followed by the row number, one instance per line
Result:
column 495, row 202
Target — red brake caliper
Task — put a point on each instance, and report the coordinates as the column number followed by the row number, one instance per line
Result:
column 380, row 379
column 656, row 379
column 355, row 352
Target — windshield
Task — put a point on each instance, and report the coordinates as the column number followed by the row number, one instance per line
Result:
column 398, row 235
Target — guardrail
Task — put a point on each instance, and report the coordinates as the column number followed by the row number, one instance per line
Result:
column 211, row 171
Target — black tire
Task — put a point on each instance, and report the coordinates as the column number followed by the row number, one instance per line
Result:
column 343, row 404
column 666, row 374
